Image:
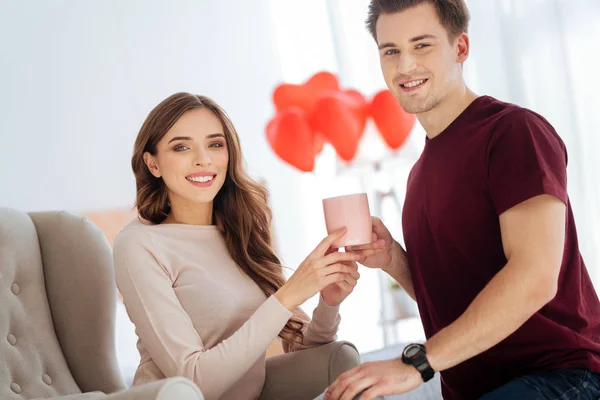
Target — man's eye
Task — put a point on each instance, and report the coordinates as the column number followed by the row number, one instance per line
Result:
column 421, row 46
column 390, row 52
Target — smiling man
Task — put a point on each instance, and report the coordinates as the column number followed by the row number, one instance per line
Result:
column 492, row 254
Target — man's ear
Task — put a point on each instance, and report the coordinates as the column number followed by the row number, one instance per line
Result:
column 463, row 47
column 152, row 165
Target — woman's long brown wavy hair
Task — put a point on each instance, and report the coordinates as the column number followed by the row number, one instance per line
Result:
column 240, row 209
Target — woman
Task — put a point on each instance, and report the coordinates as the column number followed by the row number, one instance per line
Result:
column 196, row 270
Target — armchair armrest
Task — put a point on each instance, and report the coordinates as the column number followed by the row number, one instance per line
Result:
column 305, row 374
column 165, row 389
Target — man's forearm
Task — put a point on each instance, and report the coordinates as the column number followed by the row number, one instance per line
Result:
column 507, row 302
column 400, row 271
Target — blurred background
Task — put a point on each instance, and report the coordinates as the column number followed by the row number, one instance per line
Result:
column 77, row 79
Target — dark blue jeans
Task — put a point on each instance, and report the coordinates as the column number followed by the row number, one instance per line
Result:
column 562, row 384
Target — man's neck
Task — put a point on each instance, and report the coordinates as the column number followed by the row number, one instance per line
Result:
column 439, row 118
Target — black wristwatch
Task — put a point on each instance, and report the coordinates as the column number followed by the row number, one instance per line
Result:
column 416, row 355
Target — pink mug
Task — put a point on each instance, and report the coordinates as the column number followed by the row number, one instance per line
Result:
column 350, row 211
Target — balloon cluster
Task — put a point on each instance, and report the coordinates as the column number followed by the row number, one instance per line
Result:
column 319, row 111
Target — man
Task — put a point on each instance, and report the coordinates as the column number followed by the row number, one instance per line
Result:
column 491, row 257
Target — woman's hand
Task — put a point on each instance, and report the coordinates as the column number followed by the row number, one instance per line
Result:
column 334, row 294
column 320, row 269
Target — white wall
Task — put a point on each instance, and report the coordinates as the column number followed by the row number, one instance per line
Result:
column 77, row 79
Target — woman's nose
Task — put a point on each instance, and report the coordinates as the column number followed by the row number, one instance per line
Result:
column 202, row 159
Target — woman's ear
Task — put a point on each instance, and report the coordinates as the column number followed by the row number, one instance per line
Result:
column 152, row 165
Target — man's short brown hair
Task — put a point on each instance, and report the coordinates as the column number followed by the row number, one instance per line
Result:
column 453, row 14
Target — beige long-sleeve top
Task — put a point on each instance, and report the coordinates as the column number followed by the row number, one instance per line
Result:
column 197, row 314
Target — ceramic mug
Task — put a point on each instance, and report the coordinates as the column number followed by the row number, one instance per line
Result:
column 350, row 211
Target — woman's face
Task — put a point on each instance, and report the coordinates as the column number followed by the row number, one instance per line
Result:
column 192, row 158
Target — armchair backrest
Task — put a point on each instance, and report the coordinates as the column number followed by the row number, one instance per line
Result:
column 58, row 297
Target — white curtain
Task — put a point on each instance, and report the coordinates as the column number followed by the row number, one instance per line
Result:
column 542, row 54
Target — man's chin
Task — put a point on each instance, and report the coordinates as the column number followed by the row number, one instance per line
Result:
column 414, row 107
column 411, row 106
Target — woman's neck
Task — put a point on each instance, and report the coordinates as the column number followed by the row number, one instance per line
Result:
column 194, row 214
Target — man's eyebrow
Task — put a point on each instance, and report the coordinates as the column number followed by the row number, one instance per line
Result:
column 388, row 44
column 421, row 37
column 415, row 39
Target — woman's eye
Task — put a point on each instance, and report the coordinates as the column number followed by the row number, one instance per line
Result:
column 216, row 145
column 180, row 147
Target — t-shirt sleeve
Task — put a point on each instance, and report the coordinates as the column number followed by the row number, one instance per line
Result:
column 526, row 158
column 168, row 333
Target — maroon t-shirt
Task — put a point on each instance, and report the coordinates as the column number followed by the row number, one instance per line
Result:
column 494, row 156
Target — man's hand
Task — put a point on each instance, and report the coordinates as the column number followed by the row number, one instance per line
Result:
column 386, row 254
column 374, row 379
column 378, row 253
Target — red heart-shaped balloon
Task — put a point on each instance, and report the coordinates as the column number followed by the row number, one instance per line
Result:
column 291, row 138
column 304, row 95
column 394, row 124
column 360, row 106
column 336, row 117
column 319, row 142
column 323, row 81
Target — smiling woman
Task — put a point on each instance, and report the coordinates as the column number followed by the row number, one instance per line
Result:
column 185, row 143
column 189, row 170
column 197, row 271
column 190, row 153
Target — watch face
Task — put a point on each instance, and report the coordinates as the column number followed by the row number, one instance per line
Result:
column 412, row 351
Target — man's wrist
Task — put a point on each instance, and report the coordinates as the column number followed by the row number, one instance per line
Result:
column 397, row 260
column 415, row 355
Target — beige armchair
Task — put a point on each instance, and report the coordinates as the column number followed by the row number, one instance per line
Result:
column 57, row 322
column 58, row 299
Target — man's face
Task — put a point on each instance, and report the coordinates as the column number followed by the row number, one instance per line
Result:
column 420, row 64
